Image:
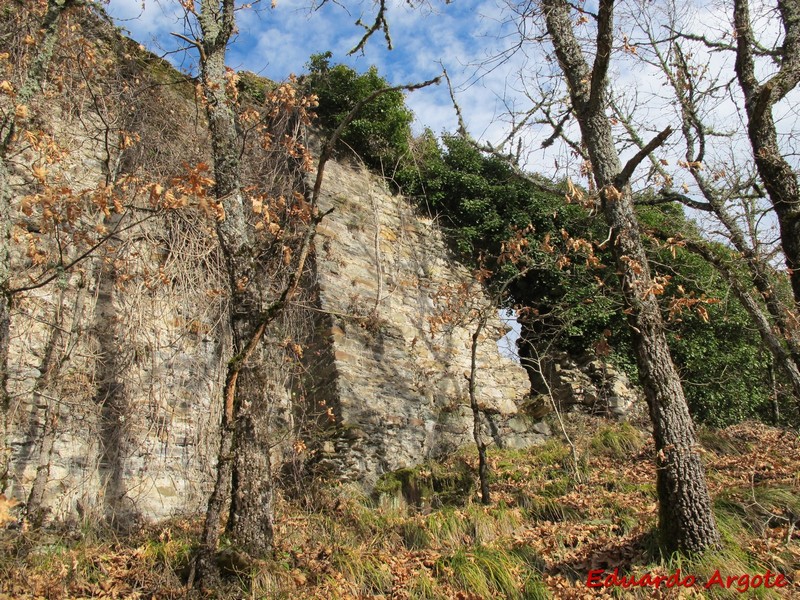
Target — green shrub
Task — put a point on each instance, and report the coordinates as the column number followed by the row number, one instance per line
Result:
column 380, row 132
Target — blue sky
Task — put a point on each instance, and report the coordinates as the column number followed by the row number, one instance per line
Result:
column 275, row 42
column 462, row 35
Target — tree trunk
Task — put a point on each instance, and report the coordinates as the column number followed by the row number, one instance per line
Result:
column 5, row 315
column 244, row 460
column 251, row 518
column 686, row 519
column 243, row 467
column 483, row 464
column 775, row 171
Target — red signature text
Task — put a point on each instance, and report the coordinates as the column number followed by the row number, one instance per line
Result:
column 598, row 578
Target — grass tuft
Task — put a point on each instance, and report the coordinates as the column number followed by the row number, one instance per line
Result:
column 721, row 442
column 760, row 507
column 617, row 441
column 489, row 572
column 368, row 574
column 541, row 508
column 425, row 587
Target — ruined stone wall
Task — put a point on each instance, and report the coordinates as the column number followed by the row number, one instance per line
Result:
column 115, row 382
column 116, row 366
column 394, row 335
column 127, row 429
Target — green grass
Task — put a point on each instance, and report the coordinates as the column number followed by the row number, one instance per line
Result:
column 621, row 515
column 551, row 453
column 414, row 534
column 730, row 560
column 535, row 589
column 719, row 442
column 617, row 441
column 759, row 506
column 541, row 508
column 170, row 550
column 363, row 569
column 425, row 587
column 474, row 524
column 448, row 527
column 342, row 548
column 490, row 572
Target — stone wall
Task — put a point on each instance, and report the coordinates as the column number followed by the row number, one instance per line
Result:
column 587, row 383
column 115, row 388
column 126, row 427
column 393, row 339
column 116, row 367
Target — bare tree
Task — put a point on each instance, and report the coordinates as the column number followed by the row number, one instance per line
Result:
column 686, row 518
column 722, row 185
column 760, row 99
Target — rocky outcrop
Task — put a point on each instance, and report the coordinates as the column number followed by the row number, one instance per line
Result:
column 586, row 383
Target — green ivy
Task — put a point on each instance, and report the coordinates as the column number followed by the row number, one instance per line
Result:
column 481, row 203
column 380, row 132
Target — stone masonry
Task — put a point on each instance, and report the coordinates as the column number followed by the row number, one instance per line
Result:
column 393, row 341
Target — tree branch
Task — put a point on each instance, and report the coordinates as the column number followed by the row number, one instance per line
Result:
column 666, row 196
column 192, row 42
column 624, row 176
column 59, row 269
column 605, row 40
column 379, row 23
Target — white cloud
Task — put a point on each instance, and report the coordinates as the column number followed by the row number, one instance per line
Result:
column 149, row 20
column 462, row 36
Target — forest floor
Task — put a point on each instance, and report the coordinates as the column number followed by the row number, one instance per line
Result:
column 550, row 531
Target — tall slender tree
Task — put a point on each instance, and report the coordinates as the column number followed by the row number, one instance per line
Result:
column 760, row 99
column 686, row 518
column 244, row 470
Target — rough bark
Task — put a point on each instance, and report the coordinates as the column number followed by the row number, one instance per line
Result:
column 251, row 518
column 776, row 173
column 243, row 465
column 5, row 314
column 686, row 519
